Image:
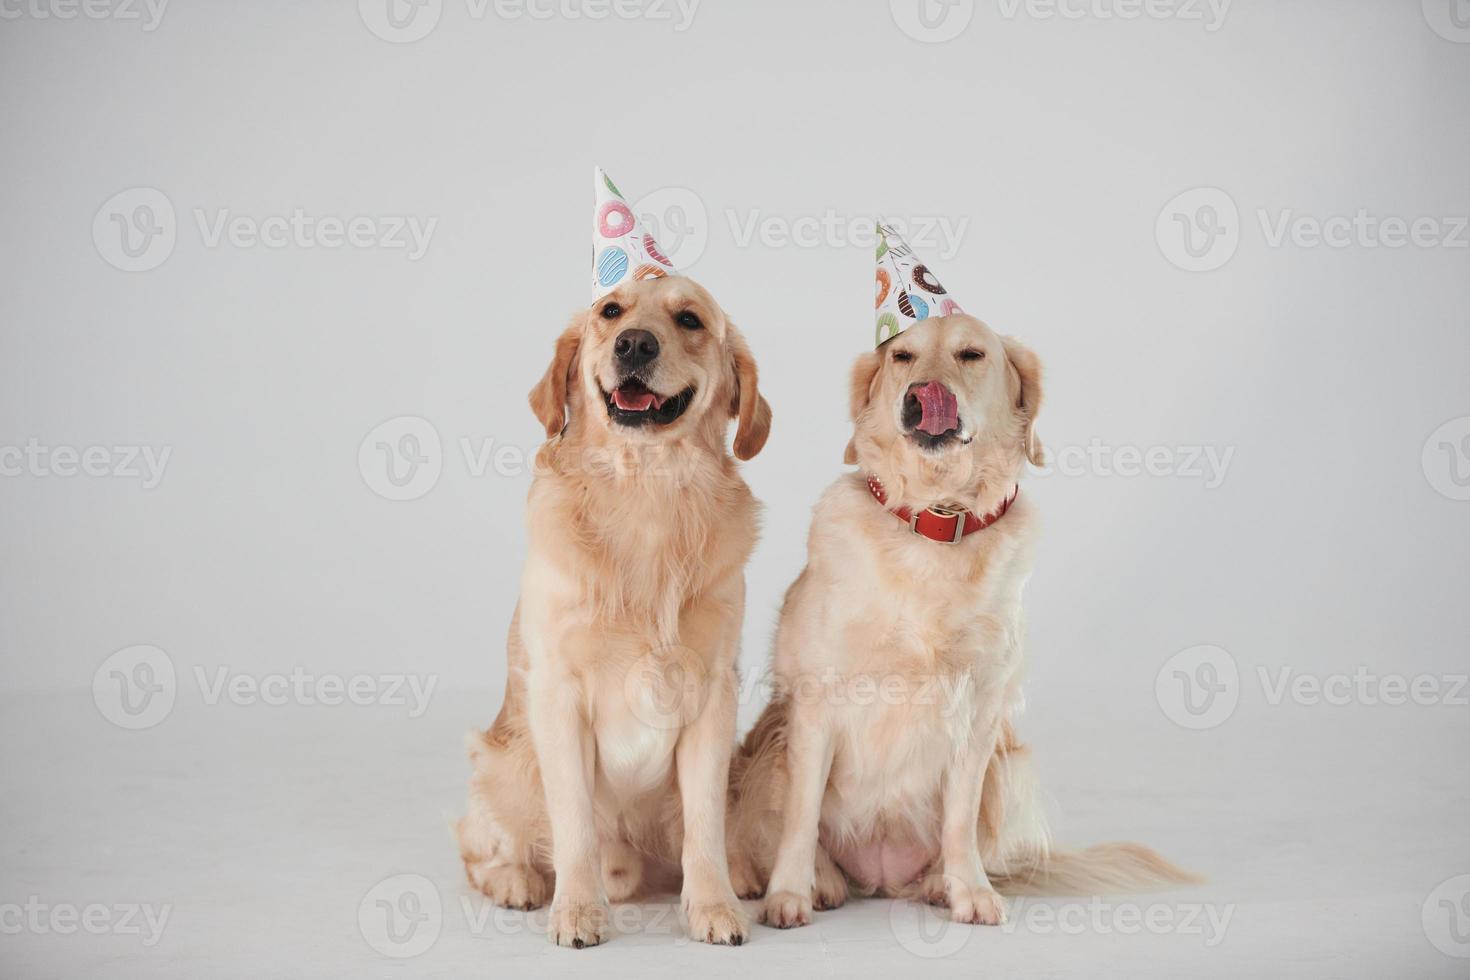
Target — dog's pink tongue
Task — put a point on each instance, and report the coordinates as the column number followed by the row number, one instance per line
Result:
column 940, row 412
column 629, row 401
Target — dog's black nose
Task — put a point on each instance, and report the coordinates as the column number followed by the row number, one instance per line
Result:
column 635, row 348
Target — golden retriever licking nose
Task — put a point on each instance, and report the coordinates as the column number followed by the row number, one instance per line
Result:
column 887, row 757
column 608, row 762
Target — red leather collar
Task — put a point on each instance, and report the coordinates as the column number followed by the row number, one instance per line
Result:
column 938, row 523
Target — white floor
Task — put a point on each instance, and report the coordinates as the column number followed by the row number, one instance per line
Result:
column 270, row 836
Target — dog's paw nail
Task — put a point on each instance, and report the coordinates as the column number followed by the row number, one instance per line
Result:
column 577, row 924
column 719, row 923
column 786, row 910
column 977, row 906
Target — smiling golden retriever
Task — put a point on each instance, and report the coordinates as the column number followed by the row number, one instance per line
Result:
column 887, row 756
column 613, row 745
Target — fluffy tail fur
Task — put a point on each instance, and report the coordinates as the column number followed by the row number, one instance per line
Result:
column 1020, row 857
column 1101, row 869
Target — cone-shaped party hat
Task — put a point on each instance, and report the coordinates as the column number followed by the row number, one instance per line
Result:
column 907, row 291
column 621, row 250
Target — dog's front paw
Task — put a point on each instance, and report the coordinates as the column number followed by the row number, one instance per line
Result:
column 511, row 886
column 786, row 910
column 978, row 906
column 577, row 924
column 720, row 923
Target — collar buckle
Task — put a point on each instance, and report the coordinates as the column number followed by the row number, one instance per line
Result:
column 943, row 513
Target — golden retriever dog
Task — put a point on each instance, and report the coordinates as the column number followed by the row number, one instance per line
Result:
column 887, row 756
column 610, row 757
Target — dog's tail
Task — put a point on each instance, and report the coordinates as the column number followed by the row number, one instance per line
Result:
column 1020, row 857
column 1100, row 869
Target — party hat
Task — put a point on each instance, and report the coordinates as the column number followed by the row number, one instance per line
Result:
column 621, row 250
column 907, row 291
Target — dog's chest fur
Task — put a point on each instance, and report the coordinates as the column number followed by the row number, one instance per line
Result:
column 643, row 544
column 937, row 628
column 648, row 558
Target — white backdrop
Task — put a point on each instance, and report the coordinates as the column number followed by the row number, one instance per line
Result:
column 248, row 245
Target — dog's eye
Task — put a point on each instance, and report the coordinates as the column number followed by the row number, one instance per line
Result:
column 972, row 355
column 902, row 356
column 612, row 311
column 688, row 321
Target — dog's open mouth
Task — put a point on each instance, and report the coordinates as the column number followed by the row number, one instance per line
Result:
column 931, row 416
column 633, row 403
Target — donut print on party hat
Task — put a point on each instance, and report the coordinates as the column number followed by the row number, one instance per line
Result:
column 651, row 247
column 902, row 283
column 887, row 328
column 925, row 280
column 612, row 266
column 912, row 306
column 614, row 219
column 622, row 250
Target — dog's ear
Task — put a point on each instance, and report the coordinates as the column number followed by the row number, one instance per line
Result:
column 1025, row 387
column 746, row 404
column 864, row 381
column 549, row 397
